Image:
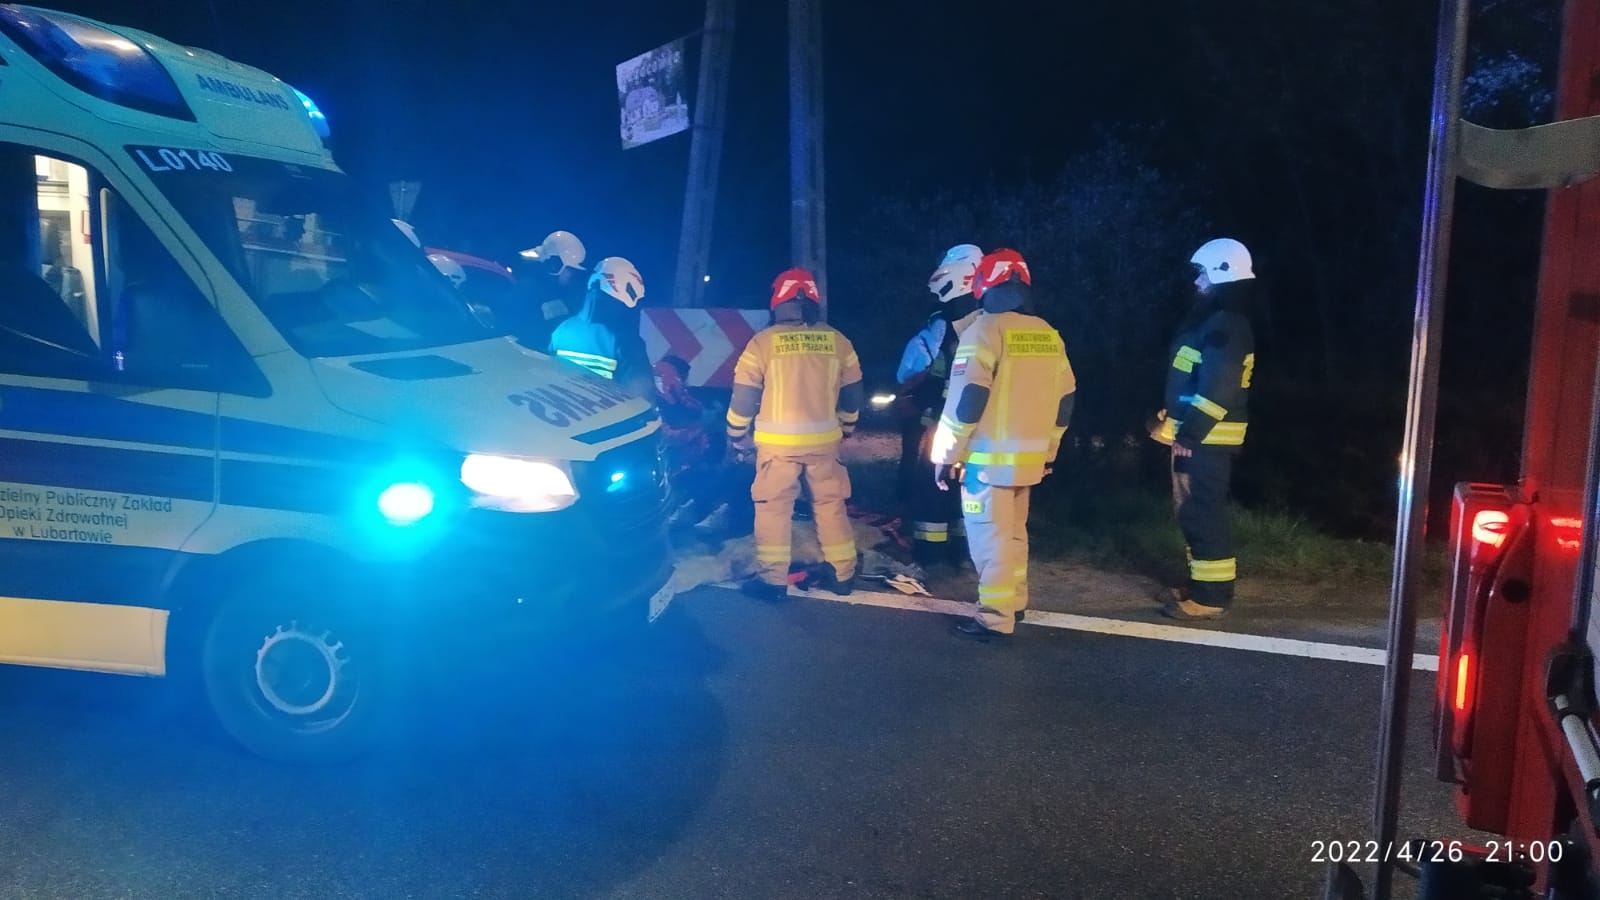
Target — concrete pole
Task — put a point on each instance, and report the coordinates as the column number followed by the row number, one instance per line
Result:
column 807, row 206
column 705, row 154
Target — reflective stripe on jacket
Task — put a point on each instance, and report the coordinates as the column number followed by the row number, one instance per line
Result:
column 605, row 341
column 798, row 385
column 604, row 366
column 1208, row 383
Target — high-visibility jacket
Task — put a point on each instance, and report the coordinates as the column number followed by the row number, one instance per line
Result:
column 799, row 385
column 1011, row 397
column 1208, row 384
column 604, row 338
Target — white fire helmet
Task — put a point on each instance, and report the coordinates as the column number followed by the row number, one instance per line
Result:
column 620, row 279
column 562, row 245
column 1223, row 260
column 449, row 268
column 953, row 277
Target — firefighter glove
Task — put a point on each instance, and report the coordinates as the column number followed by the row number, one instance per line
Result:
column 1160, row 428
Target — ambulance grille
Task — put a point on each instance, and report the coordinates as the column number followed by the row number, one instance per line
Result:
column 626, row 485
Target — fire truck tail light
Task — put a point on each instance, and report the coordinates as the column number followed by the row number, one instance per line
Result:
column 1463, row 681
column 1567, row 532
column 1489, row 527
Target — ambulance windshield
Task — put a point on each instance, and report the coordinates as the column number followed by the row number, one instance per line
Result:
column 331, row 271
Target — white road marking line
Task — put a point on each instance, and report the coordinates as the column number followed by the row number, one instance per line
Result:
column 1124, row 628
column 1179, row 634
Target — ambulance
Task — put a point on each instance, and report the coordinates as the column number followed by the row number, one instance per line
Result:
column 249, row 435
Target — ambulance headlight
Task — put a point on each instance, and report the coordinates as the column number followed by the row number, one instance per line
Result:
column 406, row 503
column 518, row 485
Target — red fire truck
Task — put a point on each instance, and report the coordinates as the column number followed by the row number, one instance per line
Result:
column 1515, row 712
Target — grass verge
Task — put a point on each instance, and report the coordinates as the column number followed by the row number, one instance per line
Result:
column 1129, row 526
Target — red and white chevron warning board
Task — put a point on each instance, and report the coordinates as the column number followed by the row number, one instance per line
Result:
column 710, row 339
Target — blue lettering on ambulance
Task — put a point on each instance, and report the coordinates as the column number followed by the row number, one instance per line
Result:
column 168, row 159
column 536, row 407
column 214, row 85
column 588, row 405
column 564, row 405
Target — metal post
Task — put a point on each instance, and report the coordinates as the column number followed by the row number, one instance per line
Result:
column 1416, row 460
column 1584, row 588
column 705, row 154
column 807, row 209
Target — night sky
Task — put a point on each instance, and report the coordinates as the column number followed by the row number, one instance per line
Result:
column 1300, row 128
column 507, row 112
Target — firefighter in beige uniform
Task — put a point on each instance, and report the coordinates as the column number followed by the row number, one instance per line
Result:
column 799, row 383
column 1011, row 397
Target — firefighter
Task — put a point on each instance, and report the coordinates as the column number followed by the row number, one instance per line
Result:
column 604, row 336
column 550, row 285
column 798, row 384
column 937, row 531
column 1208, row 384
column 1011, row 396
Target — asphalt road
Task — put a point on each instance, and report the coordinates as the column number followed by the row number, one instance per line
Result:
column 807, row 750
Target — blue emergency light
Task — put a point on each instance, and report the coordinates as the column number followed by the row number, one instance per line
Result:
column 95, row 60
column 319, row 122
column 406, row 503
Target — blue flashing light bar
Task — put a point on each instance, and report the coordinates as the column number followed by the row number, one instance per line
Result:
column 99, row 62
column 319, row 122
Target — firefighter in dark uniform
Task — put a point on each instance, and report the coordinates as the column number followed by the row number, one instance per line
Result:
column 551, row 286
column 937, row 531
column 1207, row 413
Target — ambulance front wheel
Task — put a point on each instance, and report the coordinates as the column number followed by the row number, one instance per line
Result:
column 294, row 678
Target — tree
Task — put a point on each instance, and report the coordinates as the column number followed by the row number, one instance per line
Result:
column 1107, row 239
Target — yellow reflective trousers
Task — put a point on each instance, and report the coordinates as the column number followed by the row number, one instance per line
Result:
column 776, row 487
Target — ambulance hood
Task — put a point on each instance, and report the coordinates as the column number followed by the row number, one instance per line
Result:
column 488, row 397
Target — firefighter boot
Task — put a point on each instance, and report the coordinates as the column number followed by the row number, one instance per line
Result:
column 1170, row 595
column 972, row 629
column 1188, row 609
column 761, row 590
column 831, row 581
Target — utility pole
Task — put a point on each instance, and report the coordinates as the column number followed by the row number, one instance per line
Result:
column 705, row 153
column 807, row 210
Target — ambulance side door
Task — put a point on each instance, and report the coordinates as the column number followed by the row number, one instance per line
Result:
column 110, row 354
